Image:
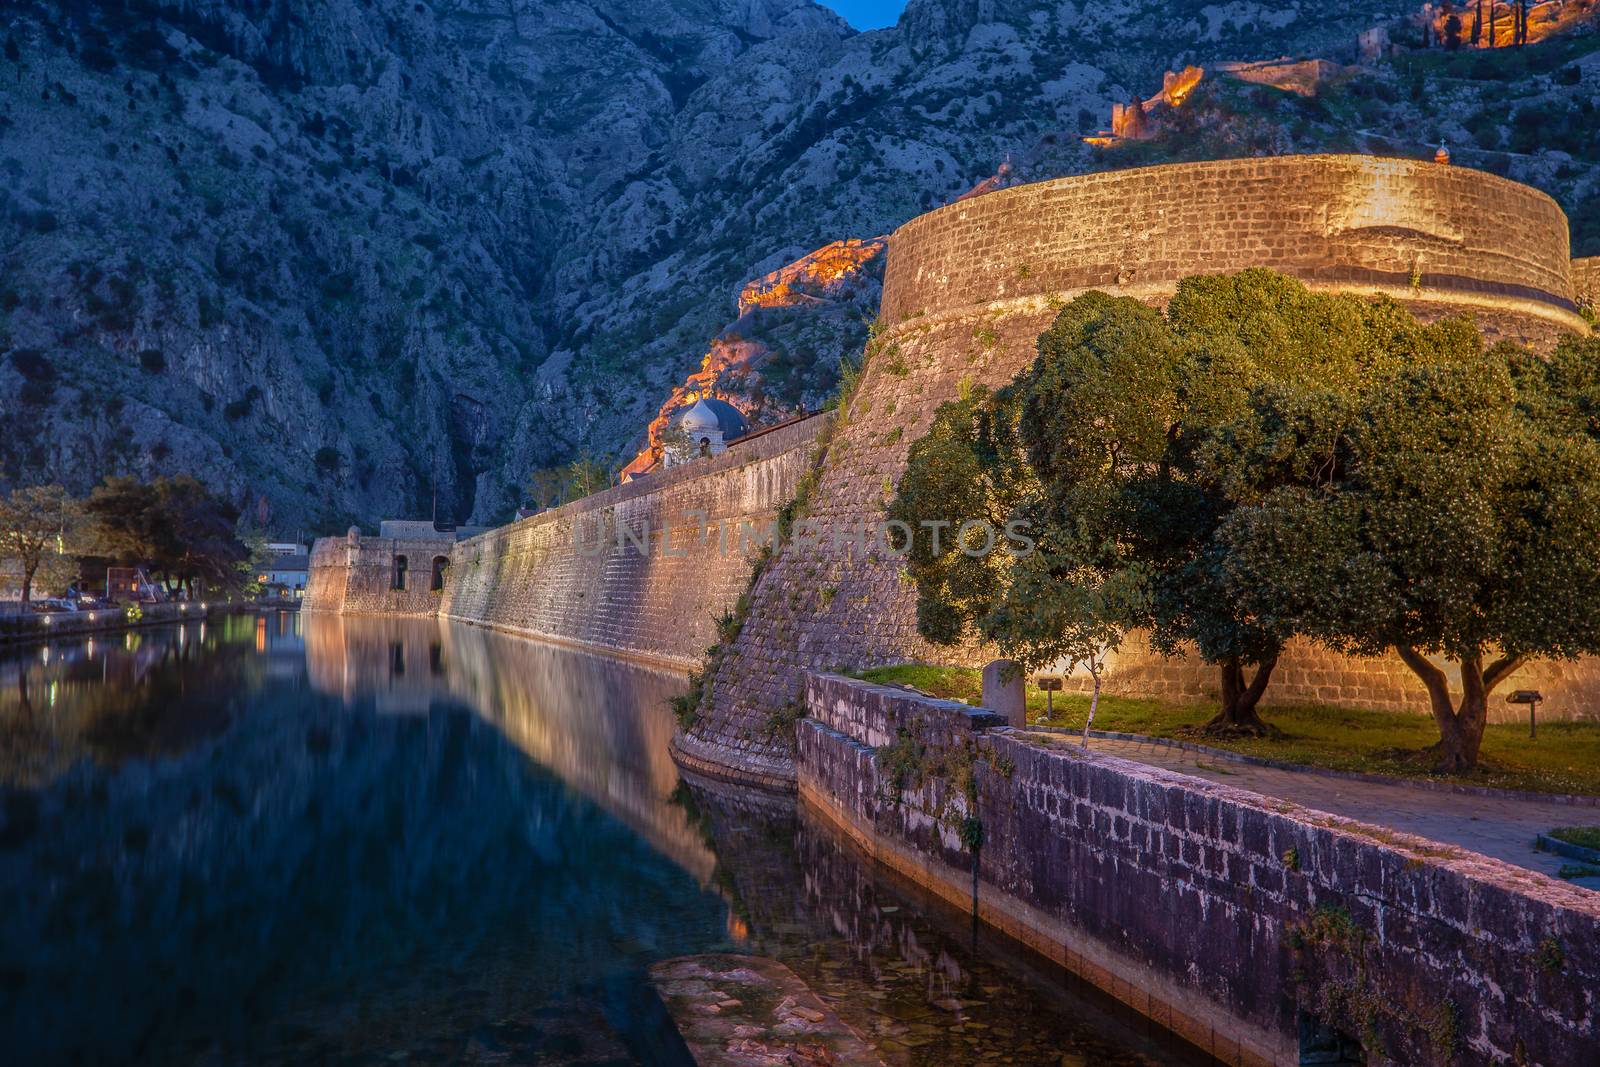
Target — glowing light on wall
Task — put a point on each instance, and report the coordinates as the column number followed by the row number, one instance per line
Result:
column 1499, row 29
column 1134, row 122
column 730, row 361
column 828, row 265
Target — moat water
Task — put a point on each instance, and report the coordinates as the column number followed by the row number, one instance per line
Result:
column 288, row 839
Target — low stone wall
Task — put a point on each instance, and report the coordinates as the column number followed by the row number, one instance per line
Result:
column 47, row 626
column 1230, row 918
column 600, row 572
column 1309, row 674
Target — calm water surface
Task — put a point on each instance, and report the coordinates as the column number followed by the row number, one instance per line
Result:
column 325, row 840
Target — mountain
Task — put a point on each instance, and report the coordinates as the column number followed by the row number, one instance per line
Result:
column 341, row 258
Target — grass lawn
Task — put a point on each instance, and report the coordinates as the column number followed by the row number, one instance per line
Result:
column 1564, row 759
column 1582, row 836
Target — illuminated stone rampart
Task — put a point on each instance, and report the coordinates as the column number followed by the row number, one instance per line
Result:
column 970, row 287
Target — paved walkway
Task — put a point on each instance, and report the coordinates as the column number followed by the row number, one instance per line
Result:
column 1493, row 826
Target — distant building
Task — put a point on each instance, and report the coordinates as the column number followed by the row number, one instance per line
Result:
column 132, row 584
column 706, row 429
column 10, row 579
column 287, row 548
column 285, row 575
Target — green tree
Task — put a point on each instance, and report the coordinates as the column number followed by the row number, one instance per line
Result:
column 174, row 526
column 1126, row 449
column 1445, row 505
column 40, row 528
column 1095, row 450
column 586, row 475
column 554, row 486
column 546, row 487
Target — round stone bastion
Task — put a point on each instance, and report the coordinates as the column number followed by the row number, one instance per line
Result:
column 967, row 291
column 1440, row 238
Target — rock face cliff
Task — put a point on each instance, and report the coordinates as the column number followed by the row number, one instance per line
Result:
column 342, row 258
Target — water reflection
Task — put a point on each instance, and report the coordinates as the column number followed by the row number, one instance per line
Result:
column 145, row 694
column 905, row 969
column 285, row 840
column 601, row 724
column 220, row 863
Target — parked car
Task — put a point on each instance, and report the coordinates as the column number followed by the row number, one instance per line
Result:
column 49, row 604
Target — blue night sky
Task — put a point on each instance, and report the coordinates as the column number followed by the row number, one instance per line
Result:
column 867, row 14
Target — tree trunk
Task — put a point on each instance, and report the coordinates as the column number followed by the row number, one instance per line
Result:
column 1239, row 699
column 1460, row 724
column 1094, row 702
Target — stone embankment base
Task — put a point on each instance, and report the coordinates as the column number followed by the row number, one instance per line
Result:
column 22, row 629
column 755, row 769
column 1255, row 928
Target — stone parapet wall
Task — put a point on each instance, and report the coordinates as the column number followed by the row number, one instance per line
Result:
column 1411, row 228
column 1221, row 914
column 327, row 575
column 600, row 571
column 826, row 606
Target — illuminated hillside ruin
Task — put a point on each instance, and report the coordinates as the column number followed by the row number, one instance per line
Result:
column 730, row 369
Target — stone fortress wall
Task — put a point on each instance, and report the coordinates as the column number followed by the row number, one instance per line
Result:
column 968, row 290
column 601, row 572
column 1468, row 239
column 598, row 572
column 356, row 575
column 1197, row 904
column 1586, row 282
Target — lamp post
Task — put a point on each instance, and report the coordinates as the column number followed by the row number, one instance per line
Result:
column 1532, row 698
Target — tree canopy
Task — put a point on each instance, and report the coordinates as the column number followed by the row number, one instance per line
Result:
column 1260, row 462
column 1446, row 507
column 551, row 487
column 40, row 528
column 173, row 525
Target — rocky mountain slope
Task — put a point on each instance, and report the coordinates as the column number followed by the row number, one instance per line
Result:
column 335, row 256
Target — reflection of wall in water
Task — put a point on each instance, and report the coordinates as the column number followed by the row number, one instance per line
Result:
column 306, row 851
column 602, row 725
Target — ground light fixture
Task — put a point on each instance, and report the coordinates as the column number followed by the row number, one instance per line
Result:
column 1050, row 687
column 1532, row 698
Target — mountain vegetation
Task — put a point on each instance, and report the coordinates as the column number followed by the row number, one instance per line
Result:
column 334, row 257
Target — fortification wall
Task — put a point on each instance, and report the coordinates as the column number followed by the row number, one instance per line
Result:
column 1218, row 913
column 1466, row 238
column 970, row 287
column 355, row 575
column 1586, row 281
column 601, row 571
